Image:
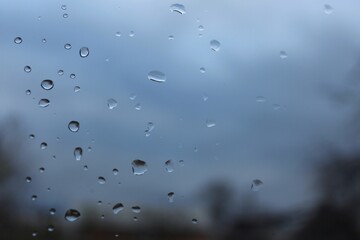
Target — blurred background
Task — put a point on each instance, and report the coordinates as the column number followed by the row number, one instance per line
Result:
column 180, row 120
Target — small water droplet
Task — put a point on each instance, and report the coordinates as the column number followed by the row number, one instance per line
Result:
column 41, row 170
column 135, row 209
column 99, row 202
column 179, row 8
column 52, row 211
column 202, row 70
column 138, row 106
column 135, row 219
column 86, row 168
column 157, row 76
column 201, row 28
column 256, row 185
column 118, row 34
column 28, row 92
column 194, row 221
column 89, row 149
column 76, row 89
column 205, row 97
column 27, row 69
column 47, row 84
column 196, row 149
column 78, row 153
column 63, row 7
column 102, row 217
column 101, row 180
column 139, row 167
column 210, row 123
column 84, row 52
column 67, row 46
column 169, row 166
column 115, row 171
column 34, row 234
column 51, row 228
column 171, row 37
column 215, row 45
column 28, row 179
column 18, row 40
column 60, row 72
column 33, row 197
column 328, row 9
column 283, row 55
column 74, row 126
column 43, row 145
column 44, row 40
column 112, row 103
column 72, row 76
column 118, row 208
column 276, row 107
column 131, row 34
column 65, row 15
column 181, row 163
column 132, row 96
column 32, row 136
column 171, row 196
column 149, row 127
column 72, row 215
column 44, row 102
column 260, row 99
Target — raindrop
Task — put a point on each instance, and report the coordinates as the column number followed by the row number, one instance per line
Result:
column 201, row 28
column 41, row 170
column 51, row 228
column 60, row 72
column 101, row 180
column 18, row 40
column 27, row 69
column 215, row 45
column 84, row 52
column 76, row 89
column 112, row 103
column 44, row 40
column 256, row 185
column 65, row 15
column 194, row 221
column 171, row 37
column 31, row 136
column 260, row 99
column 276, row 107
column 89, row 149
column 179, row 8
column 44, row 102
column 67, row 46
column 118, row 34
column 33, row 197
column 78, row 153
column 149, row 127
column 72, row 215
column 210, row 123
column 63, row 7
column 139, row 167
column 181, row 163
column 102, row 217
column 43, row 145
column 72, row 76
column 135, row 219
column 205, row 97
column 47, row 84
column 171, row 196
column 34, row 234
column 169, row 166
column 157, row 76
column 135, row 209
column 131, row 34
column 74, row 126
column 52, row 211
column 86, row 168
column 202, row 70
column 28, row 179
column 115, row 171
column 28, row 92
column 283, row 55
column 99, row 202
column 138, row 106
column 328, row 9
column 196, row 149
column 132, row 96
column 118, row 208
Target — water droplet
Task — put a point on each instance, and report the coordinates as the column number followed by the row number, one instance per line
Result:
column 74, row 126
column 210, row 123
column 72, row 215
column 43, row 145
column 276, row 107
column 52, row 211
column 215, row 45
column 118, row 34
column 86, row 168
column 138, row 106
column 89, row 149
column 112, row 103
column 76, row 89
column 102, row 217
column 201, row 28
column 171, row 196
column 51, row 228
column 131, row 34
column 283, row 55
column 328, row 9
column 60, row 72
column 33, row 197
column 171, row 37
column 194, row 221
column 28, row 179
column 179, row 8
column 63, row 7
column 47, row 84
column 99, row 202
column 202, row 70
column 149, row 127
column 260, row 99
column 44, row 102
column 139, row 167
column 18, row 40
column 181, row 163
column 115, row 171
column 27, row 69
column 157, row 76
column 101, row 180
column 78, row 153
column 44, row 40
column 196, row 149
column 65, row 15
column 32, row 136
column 72, row 76
column 169, row 166
column 67, row 46
column 132, row 96
column 256, row 185
column 28, row 92
column 84, row 52
column 34, row 234
column 135, row 209
column 205, row 97
column 118, row 208
column 41, row 170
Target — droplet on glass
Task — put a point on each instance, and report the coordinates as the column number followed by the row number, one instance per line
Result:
column 18, row 40
column 44, row 40
column 194, row 221
column 215, row 45
column 65, row 15
column 28, row 179
column 76, row 89
column 131, row 34
column 28, row 92
column 135, row 219
column 202, row 70
column 171, row 196
column 201, row 28
column 72, row 215
column 283, row 55
column 32, row 136
column 260, row 99
column 132, row 96
column 181, row 163
column 135, row 209
column 86, row 168
column 44, row 102
column 276, row 106
column 51, row 228
column 256, row 185
column 139, row 167
column 112, row 103
column 63, row 7
column 72, row 76
column 157, row 76
column 67, row 46
column 328, row 9
column 47, row 84
column 27, row 69
column 149, row 127
column 169, row 166
column 52, row 211
column 118, row 34
column 118, row 208
column 34, row 234
column 78, row 153
column 138, row 106
column 171, row 37
column 43, row 145
column 205, row 97
column 33, row 197
column 41, row 170
column 196, row 149
column 115, row 171
column 74, row 126
column 102, row 217
column 210, row 123
column 179, row 8
column 60, row 72
column 84, row 52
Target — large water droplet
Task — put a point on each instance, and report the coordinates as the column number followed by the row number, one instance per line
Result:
column 101, row 180
column 139, row 167
column 169, row 166
column 18, row 40
column 27, row 69
column 157, row 76
column 52, row 211
column 43, row 145
column 179, row 8
column 47, row 84
column 44, row 102
column 136, row 209
column 67, row 46
column 78, row 153
column 118, row 208
column 84, row 52
column 72, row 215
column 74, row 126
column 112, row 103
column 149, row 127
column 328, row 9
column 215, row 45
column 210, row 123
column 256, row 185
column 171, row 196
